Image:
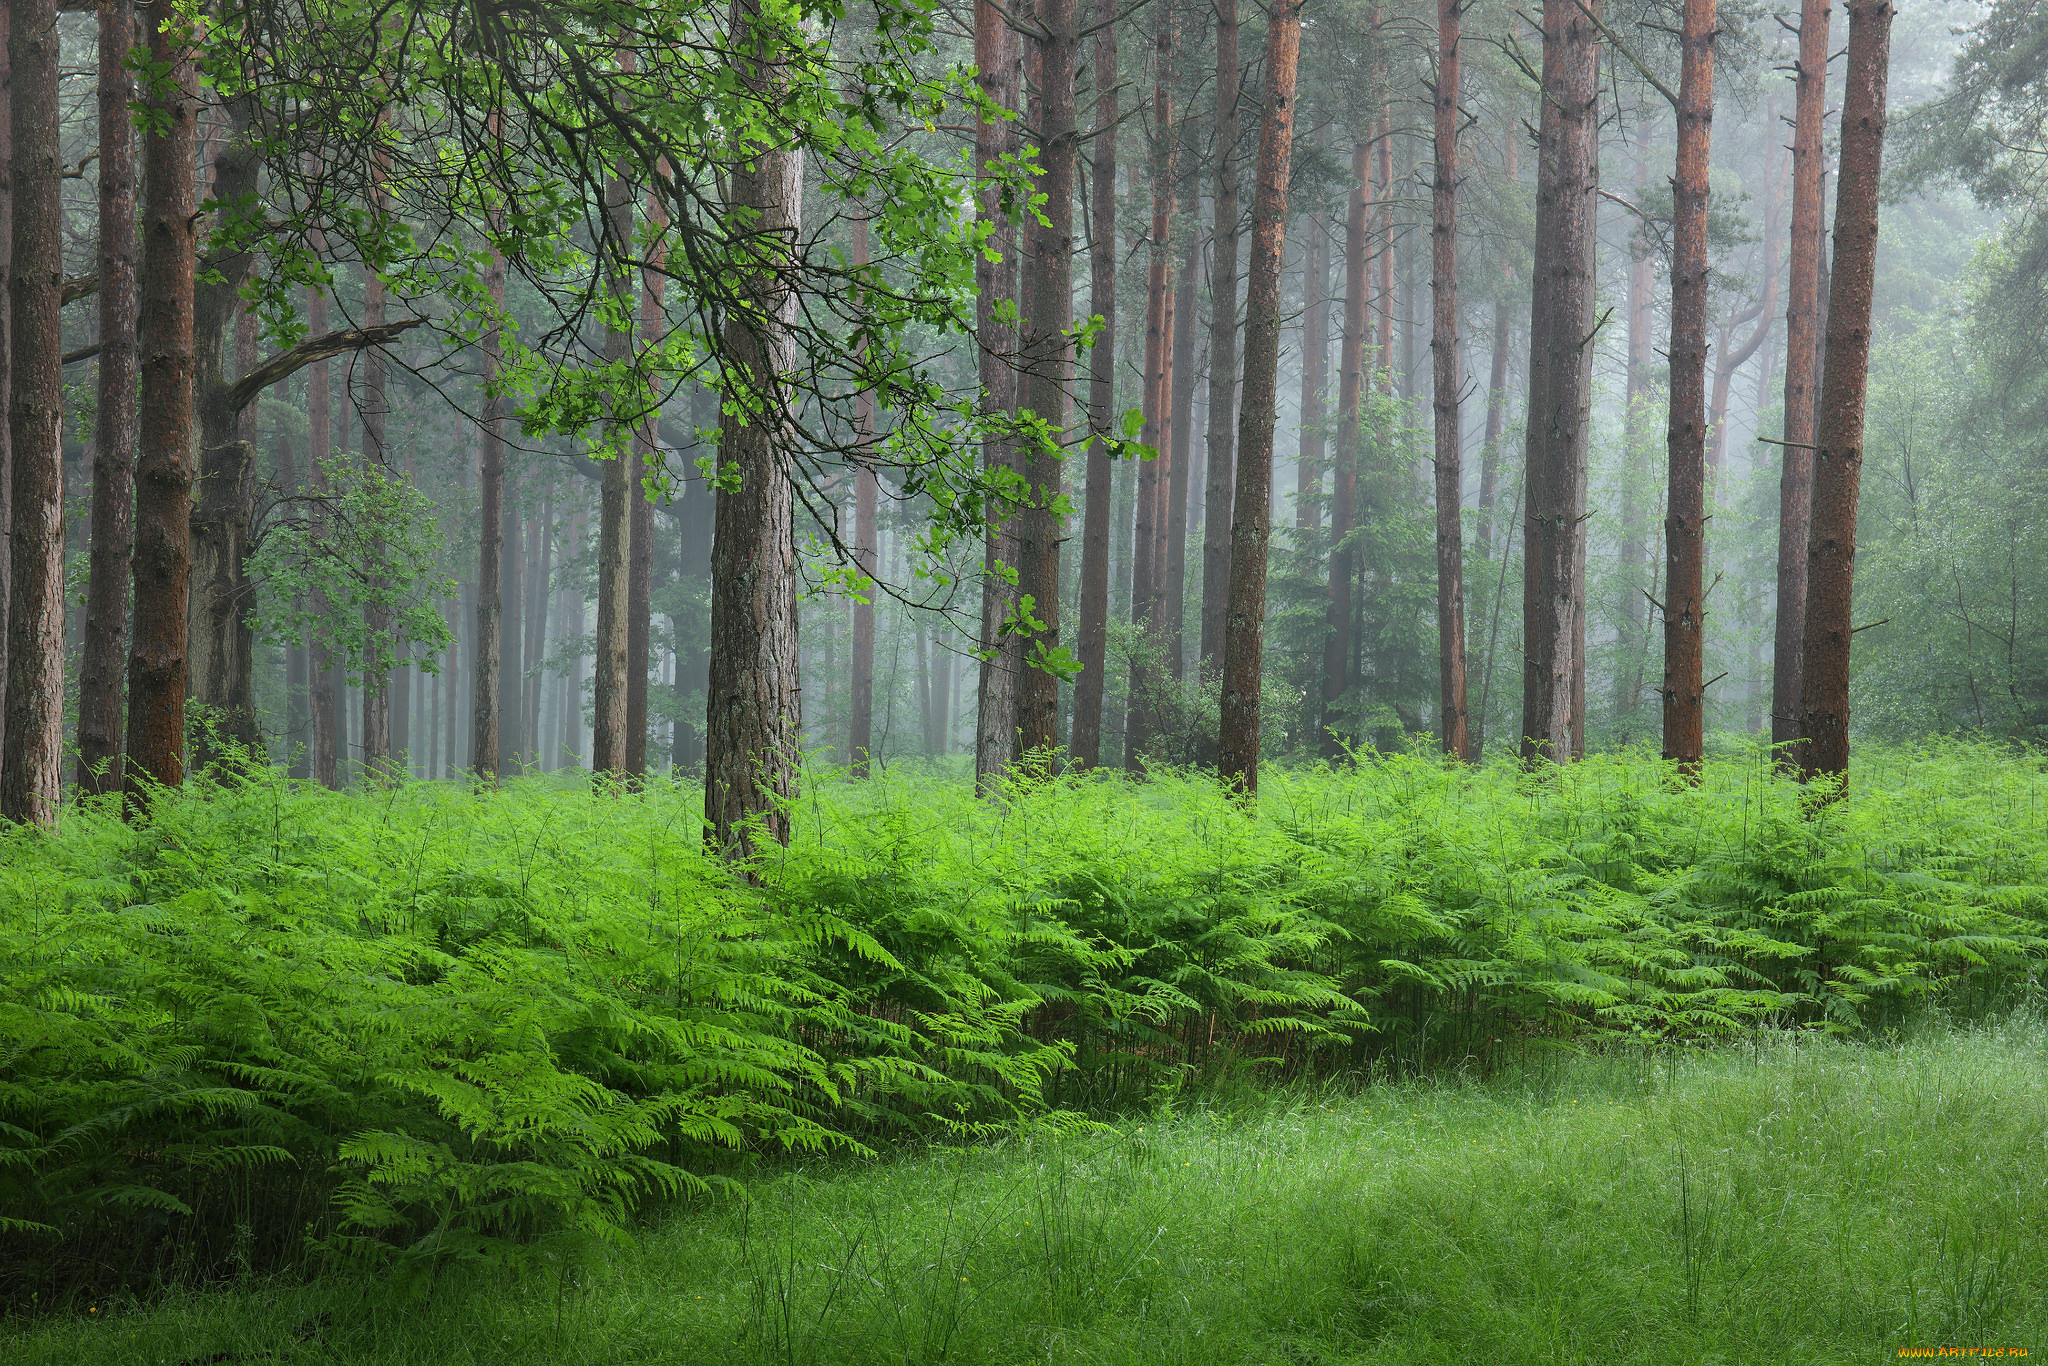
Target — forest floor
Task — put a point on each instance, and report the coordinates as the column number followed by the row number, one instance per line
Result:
column 1796, row 1200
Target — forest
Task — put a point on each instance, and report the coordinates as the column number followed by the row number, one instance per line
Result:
column 780, row 681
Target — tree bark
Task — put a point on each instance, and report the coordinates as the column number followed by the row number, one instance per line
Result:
column 6, row 354
column 1251, row 517
column 756, row 716
column 1173, row 600
column 997, row 60
column 1560, row 381
column 113, row 465
column 325, row 699
column 1802, row 379
column 1049, row 370
column 866, row 494
column 1344, row 470
column 378, row 760
column 615, row 518
column 1085, row 744
column 1148, row 538
column 1685, row 509
column 1631, row 631
column 540, row 537
column 1496, row 422
column 1315, row 366
column 1220, row 477
column 1838, row 453
column 1450, row 533
column 485, row 721
column 640, row 581
column 30, row 773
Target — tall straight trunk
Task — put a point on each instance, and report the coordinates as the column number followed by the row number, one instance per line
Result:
column 113, row 464
column 485, row 721
column 1085, row 741
column 6, row 361
column 1251, row 516
column 1447, row 381
column 1049, row 368
column 640, row 579
column 1383, row 354
column 1351, row 362
column 377, row 755
column 298, row 681
column 1560, row 381
column 30, row 773
column 615, row 516
column 1631, row 629
column 324, row 699
column 1838, row 445
column 1315, row 365
column 511, row 646
column 540, row 559
column 1148, row 536
column 1496, row 422
column 1685, row 509
column 1730, row 359
column 1803, row 304
column 756, row 713
column 997, row 62
column 866, row 494
column 942, row 697
column 451, row 681
column 164, row 467
column 1220, row 477
column 1173, row 600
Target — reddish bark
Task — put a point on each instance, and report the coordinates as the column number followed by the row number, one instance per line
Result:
column 1049, row 370
column 1174, row 581
column 1220, row 476
column 1561, row 326
column 1803, row 304
column 1450, row 534
column 1085, row 744
column 485, row 722
column 640, row 578
column 1838, row 444
column 1251, row 518
column 113, row 464
column 615, row 519
column 1315, row 366
column 324, row 701
column 1631, row 633
column 1685, row 510
column 30, row 773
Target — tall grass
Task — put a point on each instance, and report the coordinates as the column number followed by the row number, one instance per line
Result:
column 1800, row 1199
column 427, row 1025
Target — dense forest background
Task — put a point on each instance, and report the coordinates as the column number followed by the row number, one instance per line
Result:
column 1947, row 581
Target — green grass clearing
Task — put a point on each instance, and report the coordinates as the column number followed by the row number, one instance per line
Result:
column 1798, row 1201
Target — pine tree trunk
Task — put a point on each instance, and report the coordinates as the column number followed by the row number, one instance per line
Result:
column 1351, row 363
column 1251, row 515
column 376, row 689
column 997, row 60
column 615, row 521
column 31, row 774
column 1149, row 532
column 1085, row 745
column 639, row 608
column 113, row 466
column 1173, row 600
column 1049, row 369
column 511, row 641
column 1496, row 422
column 1838, row 453
column 541, row 536
column 1450, row 533
column 1315, row 365
column 1802, row 366
column 1560, row 382
column 866, row 494
column 1685, row 512
column 756, row 714
column 325, row 699
column 1220, row 477
column 485, row 721
column 6, row 361
column 1383, row 354
column 165, row 419
column 1631, row 629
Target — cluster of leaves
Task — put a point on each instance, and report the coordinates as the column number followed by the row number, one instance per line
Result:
column 428, row 1024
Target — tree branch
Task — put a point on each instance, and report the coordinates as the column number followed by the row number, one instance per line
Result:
column 285, row 364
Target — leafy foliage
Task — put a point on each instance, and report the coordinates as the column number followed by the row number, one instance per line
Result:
column 430, row 1024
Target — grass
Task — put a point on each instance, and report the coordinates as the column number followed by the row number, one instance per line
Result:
column 1795, row 1200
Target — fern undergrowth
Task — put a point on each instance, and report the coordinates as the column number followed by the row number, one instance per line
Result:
column 277, row 1027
